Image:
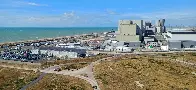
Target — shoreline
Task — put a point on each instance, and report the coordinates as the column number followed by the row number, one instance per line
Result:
column 43, row 39
column 21, row 34
column 34, row 41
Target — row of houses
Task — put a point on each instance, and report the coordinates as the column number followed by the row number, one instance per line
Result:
column 61, row 52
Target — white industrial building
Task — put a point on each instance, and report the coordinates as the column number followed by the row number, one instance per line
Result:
column 109, row 48
column 123, row 49
column 68, row 45
column 59, row 54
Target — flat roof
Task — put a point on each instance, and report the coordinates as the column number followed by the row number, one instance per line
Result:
column 182, row 32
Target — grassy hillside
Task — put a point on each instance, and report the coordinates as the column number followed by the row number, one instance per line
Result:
column 60, row 82
column 147, row 72
column 14, row 79
column 20, row 64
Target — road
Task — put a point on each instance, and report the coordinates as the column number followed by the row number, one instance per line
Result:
column 135, row 52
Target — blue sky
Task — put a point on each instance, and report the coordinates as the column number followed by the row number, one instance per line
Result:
column 94, row 13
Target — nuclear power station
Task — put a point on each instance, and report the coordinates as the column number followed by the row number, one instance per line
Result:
column 137, row 33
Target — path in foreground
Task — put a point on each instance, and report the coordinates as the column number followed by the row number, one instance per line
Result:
column 78, row 73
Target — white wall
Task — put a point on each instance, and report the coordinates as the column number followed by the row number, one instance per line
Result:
column 35, row 51
column 164, row 48
column 58, row 53
column 123, row 49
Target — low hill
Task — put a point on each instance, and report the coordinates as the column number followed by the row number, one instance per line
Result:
column 15, row 79
column 147, row 72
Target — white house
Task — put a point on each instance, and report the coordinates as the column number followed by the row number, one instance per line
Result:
column 123, row 49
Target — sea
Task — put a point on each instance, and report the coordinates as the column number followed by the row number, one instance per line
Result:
column 13, row 34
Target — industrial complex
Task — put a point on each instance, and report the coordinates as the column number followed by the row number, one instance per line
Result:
column 137, row 34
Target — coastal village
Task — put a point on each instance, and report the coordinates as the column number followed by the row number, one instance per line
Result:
column 95, row 57
column 132, row 36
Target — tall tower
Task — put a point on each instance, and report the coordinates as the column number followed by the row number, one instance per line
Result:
column 162, row 21
column 161, row 26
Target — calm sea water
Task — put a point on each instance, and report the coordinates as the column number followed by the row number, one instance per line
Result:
column 10, row 34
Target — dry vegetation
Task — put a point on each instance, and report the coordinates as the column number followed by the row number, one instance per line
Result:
column 73, row 66
column 77, row 60
column 1, row 49
column 15, row 79
column 60, row 82
column 147, row 72
column 21, row 65
column 189, row 57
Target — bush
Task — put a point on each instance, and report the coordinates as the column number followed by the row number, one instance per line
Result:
column 164, row 54
column 193, row 54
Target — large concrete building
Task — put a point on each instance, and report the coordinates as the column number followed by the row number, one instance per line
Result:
column 179, row 39
column 175, row 45
column 130, row 31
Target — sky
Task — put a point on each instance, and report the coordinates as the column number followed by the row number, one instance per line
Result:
column 94, row 13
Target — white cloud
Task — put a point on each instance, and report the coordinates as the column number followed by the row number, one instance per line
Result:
column 69, row 14
column 77, row 18
column 163, row 14
column 35, row 4
column 130, row 8
column 25, row 3
column 111, row 12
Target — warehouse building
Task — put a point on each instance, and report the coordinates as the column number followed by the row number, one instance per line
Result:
column 182, row 35
column 175, row 45
column 188, row 44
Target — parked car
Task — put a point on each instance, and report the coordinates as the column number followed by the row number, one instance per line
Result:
column 94, row 87
column 24, row 60
column 57, row 69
